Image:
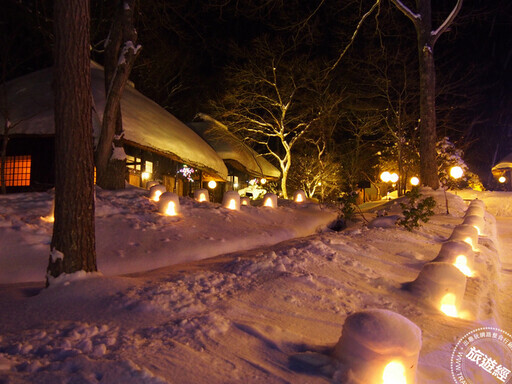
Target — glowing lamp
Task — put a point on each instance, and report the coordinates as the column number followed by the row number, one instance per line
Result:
column 155, row 191
column 467, row 233
column 385, row 176
column 456, row 172
column 415, row 181
column 393, row 178
column 475, row 221
column 231, row 200
column 270, row 200
column 145, row 176
column 201, row 195
column 263, row 181
column 212, row 184
column 169, row 204
column 502, row 179
column 299, row 196
column 394, row 373
column 440, row 284
column 245, row 201
column 378, row 346
column 458, row 253
column 461, row 262
column 49, row 219
column 447, row 305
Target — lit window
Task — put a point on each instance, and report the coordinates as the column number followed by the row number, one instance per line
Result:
column 149, row 167
column 17, row 171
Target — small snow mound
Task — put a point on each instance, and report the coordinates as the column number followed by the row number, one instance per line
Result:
column 65, row 279
column 384, row 221
column 371, row 340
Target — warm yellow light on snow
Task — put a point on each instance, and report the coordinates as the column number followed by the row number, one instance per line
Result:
column 48, row 219
column 232, row 204
column 156, row 197
column 477, row 229
column 268, row 203
column 202, row 197
column 171, row 209
column 394, row 373
column 461, row 262
column 448, row 305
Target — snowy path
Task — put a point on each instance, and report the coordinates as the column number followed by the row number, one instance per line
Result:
column 504, row 233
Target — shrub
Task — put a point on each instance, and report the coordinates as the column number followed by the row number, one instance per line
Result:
column 415, row 210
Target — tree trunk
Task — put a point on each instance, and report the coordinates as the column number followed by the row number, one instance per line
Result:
column 5, row 141
column 73, row 240
column 120, row 54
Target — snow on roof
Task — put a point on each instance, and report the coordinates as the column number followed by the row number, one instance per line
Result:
column 505, row 163
column 146, row 124
column 230, row 148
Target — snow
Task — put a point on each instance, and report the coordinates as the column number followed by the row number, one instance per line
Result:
column 220, row 296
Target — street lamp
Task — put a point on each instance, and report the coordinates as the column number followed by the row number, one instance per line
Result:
column 456, row 172
column 414, row 181
column 502, row 179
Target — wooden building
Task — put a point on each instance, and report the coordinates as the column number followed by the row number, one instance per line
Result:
column 158, row 146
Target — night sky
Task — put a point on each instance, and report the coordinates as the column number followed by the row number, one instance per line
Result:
column 188, row 44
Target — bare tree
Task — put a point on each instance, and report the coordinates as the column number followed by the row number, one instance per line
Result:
column 270, row 102
column 121, row 50
column 426, row 38
column 73, row 240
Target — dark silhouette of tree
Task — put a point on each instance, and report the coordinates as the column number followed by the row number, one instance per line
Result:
column 73, row 240
column 426, row 39
column 121, row 50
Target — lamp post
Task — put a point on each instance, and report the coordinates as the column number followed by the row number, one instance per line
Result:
column 388, row 177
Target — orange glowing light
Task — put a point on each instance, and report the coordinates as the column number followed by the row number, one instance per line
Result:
column 394, row 373
column 156, row 196
column 268, row 203
column 299, row 198
column 461, row 262
column 448, row 305
column 202, row 197
column 232, row 204
column 48, row 219
column 244, row 202
column 171, row 209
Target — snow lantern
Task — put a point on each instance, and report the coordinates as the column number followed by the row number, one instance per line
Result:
column 475, row 221
column 299, row 196
column 467, row 233
column 151, row 183
column 442, row 285
column 245, row 201
column 50, row 218
column 231, row 200
column 477, row 202
column 475, row 210
column 270, row 200
column 155, row 191
column 201, row 195
column 169, row 204
column 458, row 253
column 378, row 346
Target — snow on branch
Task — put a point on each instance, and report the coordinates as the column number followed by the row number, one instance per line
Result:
column 443, row 27
column 414, row 17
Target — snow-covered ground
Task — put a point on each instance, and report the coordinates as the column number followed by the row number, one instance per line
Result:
column 269, row 307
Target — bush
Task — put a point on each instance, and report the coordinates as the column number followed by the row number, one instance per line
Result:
column 415, row 210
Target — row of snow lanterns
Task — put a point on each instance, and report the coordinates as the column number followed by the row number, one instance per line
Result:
column 442, row 282
column 168, row 202
column 381, row 346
